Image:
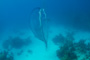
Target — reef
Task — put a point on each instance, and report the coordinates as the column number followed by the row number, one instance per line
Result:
column 60, row 39
column 71, row 50
column 67, row 51
column 4, row 55
column 16, row 43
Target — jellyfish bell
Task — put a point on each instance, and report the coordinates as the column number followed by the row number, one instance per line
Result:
column 38, row 24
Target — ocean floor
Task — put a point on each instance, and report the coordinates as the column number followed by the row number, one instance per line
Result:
column 37, row 50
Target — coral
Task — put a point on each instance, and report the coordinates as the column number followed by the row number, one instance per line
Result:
column 16, row 43
column 4, row 54
column 67, row 52
column 59, row 39
column 81, row 46
column 69, row 56
column 71, row 50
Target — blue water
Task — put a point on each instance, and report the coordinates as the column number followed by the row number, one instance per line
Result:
column 29, row 36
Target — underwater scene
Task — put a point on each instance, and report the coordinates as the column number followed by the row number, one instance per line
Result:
column 44, row 29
